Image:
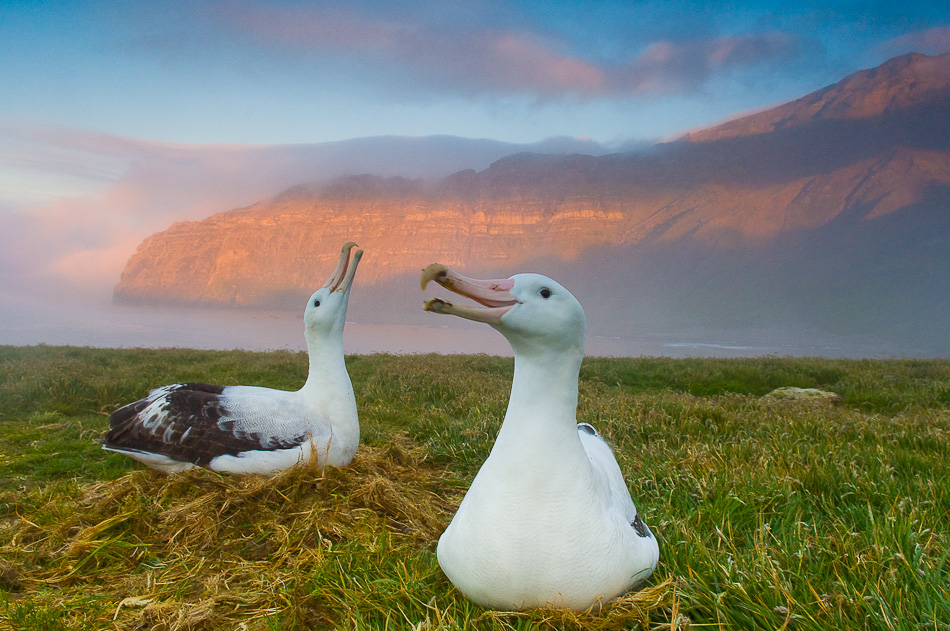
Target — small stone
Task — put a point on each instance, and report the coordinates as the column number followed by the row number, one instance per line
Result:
column 790, row 393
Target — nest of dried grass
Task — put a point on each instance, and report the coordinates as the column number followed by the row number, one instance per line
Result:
column 180, row 550
column 632, row 610
column 201, row 550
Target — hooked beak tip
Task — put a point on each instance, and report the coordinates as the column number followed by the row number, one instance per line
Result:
column 436, row 272
column 435, row 305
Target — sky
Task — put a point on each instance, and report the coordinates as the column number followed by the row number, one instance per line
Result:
column 118, row 118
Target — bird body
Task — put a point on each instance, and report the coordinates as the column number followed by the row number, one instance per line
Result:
column 252, row 429
column 548, row 520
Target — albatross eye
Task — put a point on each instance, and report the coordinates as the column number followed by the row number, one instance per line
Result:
column 545, row 293
column 316, row 302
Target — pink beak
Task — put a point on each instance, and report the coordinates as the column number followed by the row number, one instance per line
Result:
column 495, row 295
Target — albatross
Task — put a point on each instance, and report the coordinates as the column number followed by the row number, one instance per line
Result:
column 251, row 429
column 548, row 520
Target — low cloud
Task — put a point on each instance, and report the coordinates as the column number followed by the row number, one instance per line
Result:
column 98, row 196
column 932, row 41
column 67, row 225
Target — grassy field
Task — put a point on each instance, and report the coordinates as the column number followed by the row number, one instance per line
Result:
column 770, row 514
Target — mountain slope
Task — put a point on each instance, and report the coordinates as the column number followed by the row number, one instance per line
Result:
column 902, row 83
column 831, row 211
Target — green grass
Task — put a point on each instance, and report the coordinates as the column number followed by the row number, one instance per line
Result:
column 769, row 514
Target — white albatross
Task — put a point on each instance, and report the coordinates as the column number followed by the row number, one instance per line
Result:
column 251, row 429
column 548, row 520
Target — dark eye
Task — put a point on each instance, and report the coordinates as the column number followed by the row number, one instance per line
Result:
column 545, row 293
column 316, row 302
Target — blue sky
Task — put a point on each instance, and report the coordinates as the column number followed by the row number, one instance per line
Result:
column 118, row 118
column 303, row 72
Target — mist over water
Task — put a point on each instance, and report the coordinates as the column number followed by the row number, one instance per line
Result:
column 111, row 326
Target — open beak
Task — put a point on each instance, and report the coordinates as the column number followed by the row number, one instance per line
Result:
column 494, row 295
column 342, row 276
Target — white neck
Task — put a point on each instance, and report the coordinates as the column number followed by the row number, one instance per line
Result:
column 542, row 410
column 327, row 368
column 328, row 388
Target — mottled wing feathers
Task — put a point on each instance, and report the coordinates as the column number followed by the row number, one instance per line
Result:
column 189, row 422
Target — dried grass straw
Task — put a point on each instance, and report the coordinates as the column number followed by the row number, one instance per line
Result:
column 210, row 551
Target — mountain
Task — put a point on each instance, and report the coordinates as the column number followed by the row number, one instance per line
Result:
column 903, row 84
column 831, row 212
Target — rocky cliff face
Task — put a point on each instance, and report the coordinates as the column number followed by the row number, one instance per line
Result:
column 271, row 251
column 863, row 165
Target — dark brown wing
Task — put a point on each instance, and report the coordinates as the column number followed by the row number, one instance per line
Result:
column 189, row 422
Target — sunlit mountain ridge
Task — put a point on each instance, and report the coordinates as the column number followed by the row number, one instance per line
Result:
column 832, row 211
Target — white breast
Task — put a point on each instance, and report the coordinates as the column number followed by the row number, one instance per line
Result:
column 534, row 533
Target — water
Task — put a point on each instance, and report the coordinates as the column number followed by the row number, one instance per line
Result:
column 105, row 325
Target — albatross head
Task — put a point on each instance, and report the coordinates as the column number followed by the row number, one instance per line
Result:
column 534, row 313
column 326, row 310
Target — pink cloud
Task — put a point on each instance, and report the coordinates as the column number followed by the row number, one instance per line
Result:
column 665, row 66
column 72, row 247
column 747, row 50
column 513, row 62
column 475, row 59
column 107, row 193
column 483, row 58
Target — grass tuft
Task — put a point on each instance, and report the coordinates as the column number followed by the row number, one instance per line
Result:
column 779, row 514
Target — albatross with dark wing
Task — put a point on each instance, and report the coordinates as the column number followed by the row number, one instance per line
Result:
column 548, row 520
column 251, row 429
